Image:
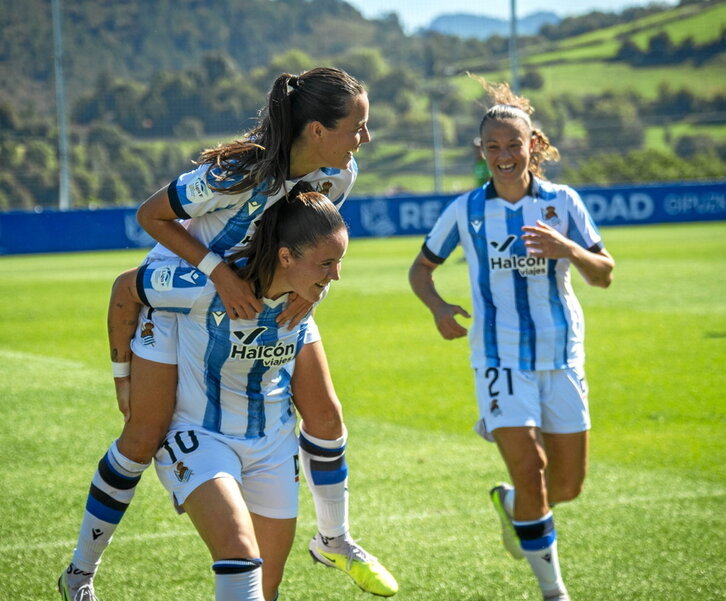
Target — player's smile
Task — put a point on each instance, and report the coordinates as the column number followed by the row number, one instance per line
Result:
column 507, row 145
column 311, row 273
column 343, row 141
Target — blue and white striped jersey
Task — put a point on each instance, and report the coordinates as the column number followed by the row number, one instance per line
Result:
column 526, row 314
column 234, row 375
column 225, row 222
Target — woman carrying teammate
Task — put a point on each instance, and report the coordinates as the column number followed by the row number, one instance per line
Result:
column 309, row 131
column 230, row 458
column 520, row 233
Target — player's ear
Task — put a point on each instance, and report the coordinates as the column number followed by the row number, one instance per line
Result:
column 284, row 256
column 316, row 130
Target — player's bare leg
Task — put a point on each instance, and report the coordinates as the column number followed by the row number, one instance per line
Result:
column 566, row 465
column 275, row 538
column 220, row 515
column 523, row 451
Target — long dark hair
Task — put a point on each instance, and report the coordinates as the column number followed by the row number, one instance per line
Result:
column 299, row 220
column 322, row 94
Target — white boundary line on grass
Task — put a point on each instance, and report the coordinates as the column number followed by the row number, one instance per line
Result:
column 639, row 500
column 44, row 359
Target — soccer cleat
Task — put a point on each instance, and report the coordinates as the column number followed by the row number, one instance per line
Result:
column 82, row 593
column 510, row 540
column 347, row 556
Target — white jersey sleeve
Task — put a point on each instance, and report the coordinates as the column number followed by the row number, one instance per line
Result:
column 172, row 286
column 444, row 236
column 225, row 222
column 193, row 194
column 581, row 227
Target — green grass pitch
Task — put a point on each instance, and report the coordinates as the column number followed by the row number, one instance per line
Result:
column 649, row 525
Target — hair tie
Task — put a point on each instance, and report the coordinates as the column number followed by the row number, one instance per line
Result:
column 292, row 84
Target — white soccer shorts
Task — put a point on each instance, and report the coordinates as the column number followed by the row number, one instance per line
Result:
column 553, row 400
column 266, row 468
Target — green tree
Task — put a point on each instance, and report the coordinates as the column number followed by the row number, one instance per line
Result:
column 532, row 80
column 366, row 64
column 660, row 48
column 614, row 124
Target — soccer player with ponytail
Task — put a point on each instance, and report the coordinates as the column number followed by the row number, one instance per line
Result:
column 309, row 131
column 520, row 233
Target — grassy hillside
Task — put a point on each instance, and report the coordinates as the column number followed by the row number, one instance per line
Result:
column 704, row 23
column 580, row 65
column 184, row 99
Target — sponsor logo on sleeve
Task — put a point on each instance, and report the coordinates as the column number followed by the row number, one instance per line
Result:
column 162, row 278
column 198, row 190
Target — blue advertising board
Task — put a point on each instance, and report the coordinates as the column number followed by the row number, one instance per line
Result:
column 621, row 205
column 105, row 229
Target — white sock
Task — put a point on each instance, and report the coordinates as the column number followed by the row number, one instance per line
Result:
column 112, row 488
column 539, row 543
column 238, row 580
column 326, row 472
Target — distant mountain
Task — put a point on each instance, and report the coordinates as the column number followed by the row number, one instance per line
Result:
column 475, row 26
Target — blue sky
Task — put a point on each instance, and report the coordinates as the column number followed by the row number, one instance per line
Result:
column 414, row 14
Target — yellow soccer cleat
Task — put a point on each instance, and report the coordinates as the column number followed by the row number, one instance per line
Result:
column 346, row 555
column 509, row 535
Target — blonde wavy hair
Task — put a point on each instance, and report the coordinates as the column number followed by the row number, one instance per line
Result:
column 505, row 104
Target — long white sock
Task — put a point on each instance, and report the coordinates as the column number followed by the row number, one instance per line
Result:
column 112, row 488
column 238, row 580
column 326, row 472
column 539, row 543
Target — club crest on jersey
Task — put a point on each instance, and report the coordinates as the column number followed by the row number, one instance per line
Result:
column 549, row 215
column 182, row 472
column 324, row 187
column 198, row 191
column 494, row 408
column 147, row 334
column 270, row 355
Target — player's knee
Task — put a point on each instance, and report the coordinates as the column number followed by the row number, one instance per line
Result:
column 565, row 491
column 140, row 444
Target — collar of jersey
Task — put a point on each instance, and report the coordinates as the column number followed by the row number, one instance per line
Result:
column 272, row 304
column 534, row 189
